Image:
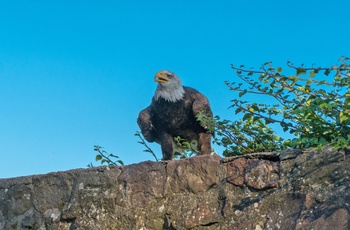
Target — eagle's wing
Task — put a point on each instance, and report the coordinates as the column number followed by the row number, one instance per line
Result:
column 201, row 105
column 145, row 124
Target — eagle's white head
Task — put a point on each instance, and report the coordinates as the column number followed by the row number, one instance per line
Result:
column 169, row 86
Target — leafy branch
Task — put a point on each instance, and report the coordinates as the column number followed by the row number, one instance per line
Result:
column 184, row 149
column 142, row 142
column 104, row 157
column 315, row 109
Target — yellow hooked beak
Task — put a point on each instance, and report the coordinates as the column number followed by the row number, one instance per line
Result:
column 160, row 77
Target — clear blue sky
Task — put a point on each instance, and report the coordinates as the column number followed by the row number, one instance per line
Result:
column 74, row 74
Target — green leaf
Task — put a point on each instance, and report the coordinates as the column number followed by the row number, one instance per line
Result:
column 312, row 74
column 301, row 71
column 98, row 157
column 112, row 155
column 247, row 116
column 238, row 110
column 322, row 82
column 327, row 72
column 242, row 93
column 343, row 117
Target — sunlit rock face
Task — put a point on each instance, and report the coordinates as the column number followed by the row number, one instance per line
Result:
column 288, row 190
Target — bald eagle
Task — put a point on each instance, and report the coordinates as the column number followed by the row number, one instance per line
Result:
column 172, row 113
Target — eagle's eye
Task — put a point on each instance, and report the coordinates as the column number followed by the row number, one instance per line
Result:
column 169, row 76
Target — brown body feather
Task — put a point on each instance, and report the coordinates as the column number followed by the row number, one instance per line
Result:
column 163, row 120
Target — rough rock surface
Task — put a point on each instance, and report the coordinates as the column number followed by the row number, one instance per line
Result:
column 288, row 190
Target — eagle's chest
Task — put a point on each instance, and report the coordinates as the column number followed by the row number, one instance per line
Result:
column 171, row 115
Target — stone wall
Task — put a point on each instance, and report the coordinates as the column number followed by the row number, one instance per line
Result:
column 288, row 190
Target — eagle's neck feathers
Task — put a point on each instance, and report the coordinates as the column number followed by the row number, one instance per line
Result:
column 170, row 94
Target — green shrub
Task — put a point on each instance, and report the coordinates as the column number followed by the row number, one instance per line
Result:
column 312, row 104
